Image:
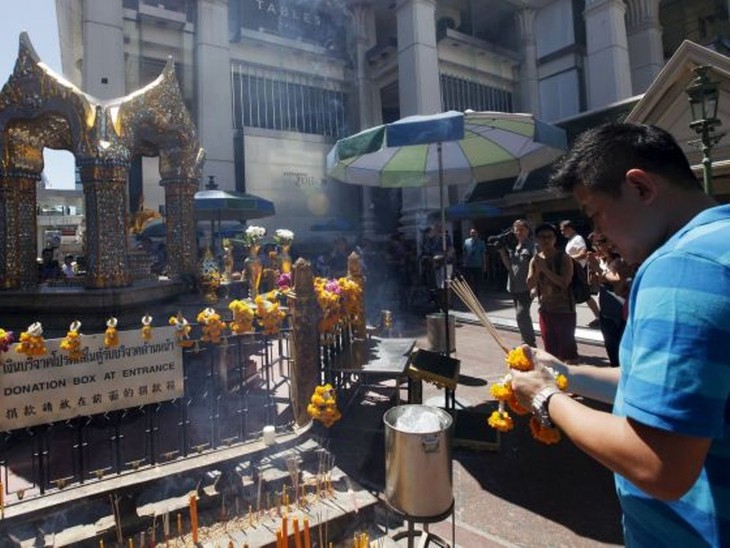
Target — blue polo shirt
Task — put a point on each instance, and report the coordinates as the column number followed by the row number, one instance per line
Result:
column 675, row 376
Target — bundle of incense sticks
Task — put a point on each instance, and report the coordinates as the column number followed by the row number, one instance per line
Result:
column 465, row 293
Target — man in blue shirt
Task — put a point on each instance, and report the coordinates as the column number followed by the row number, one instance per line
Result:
column 668, row 438
column 474, row 257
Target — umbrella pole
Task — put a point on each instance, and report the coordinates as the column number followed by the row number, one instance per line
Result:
column 443, row 243
column 450, row 396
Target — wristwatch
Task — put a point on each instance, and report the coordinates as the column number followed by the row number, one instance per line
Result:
column 539, row 406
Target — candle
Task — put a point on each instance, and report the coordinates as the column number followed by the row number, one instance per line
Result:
column 278, row 538
column 2, row 500
column 307, row 542
column 101, row 543
column 194, row 517
column 284, row 532
column 166, row 525
column 269, row 435
column 179, row 524
column 297, row 540
column 131, row 542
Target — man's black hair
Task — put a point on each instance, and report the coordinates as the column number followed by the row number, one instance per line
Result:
column 600, row 158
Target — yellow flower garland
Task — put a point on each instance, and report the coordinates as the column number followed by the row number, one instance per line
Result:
column 182, row 330
column 146, row 331
column 323, row 405
column 31, row 342
column 71, row 342
column 243, row 315
column 502, row 392
column 211, row 325
column 111, row 336
column 269, row 314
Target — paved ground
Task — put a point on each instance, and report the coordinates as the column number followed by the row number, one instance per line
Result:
column 522, row 494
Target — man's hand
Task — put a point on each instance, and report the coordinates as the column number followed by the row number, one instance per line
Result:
column 526, row 384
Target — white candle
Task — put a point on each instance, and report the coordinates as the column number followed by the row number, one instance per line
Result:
column 269, row 435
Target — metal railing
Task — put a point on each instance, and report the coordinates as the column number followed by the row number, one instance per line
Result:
column 231, row 391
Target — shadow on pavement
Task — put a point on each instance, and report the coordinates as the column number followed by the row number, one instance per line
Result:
column 558, row 482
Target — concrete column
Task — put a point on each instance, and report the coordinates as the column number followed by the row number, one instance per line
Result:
column 363, row 25
column 18, row 265
column 182, row 244
column 214, row 92
column 418, row 71
column 644, row 35
column 103, row 61
column 105, row 187
column 529, row 91
column 419, row 91
column 607, row 52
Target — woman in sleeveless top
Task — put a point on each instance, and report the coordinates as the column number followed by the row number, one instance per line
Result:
column 550, row 273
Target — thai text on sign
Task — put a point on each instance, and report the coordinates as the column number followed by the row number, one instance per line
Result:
column 44, row 389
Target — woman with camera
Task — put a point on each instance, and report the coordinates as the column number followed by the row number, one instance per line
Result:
column 517, row 261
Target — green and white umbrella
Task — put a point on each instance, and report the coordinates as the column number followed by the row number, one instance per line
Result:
column 448, row 148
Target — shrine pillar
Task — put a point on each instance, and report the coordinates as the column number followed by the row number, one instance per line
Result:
column 182, row 244
column 18, row 227
column 105, row 185
column 305, row 368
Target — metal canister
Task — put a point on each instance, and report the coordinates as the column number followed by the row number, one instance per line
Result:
column 418, row 467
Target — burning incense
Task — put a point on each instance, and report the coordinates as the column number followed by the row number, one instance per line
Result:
column 307, row 542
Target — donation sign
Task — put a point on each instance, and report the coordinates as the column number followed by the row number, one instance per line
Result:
column 53, row 387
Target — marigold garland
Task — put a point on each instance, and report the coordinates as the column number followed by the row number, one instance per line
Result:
column 243, row 315
column 323, row 405
column 182, row 330
column 111, row 336
column 31, row 342
column 329, row 300
column 71, row 343
column 351, row 294
column 211, row 325
column 146, row 331
column 269, row 314
column 6, row 339
column 503, row 392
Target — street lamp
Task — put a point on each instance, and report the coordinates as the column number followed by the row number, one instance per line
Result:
column 703, row 97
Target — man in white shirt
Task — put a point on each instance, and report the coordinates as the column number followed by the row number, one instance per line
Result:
column 578, row 250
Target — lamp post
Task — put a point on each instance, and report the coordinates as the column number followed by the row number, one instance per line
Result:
column 703, row 96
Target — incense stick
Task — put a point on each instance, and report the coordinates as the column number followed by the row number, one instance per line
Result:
column 467, row 296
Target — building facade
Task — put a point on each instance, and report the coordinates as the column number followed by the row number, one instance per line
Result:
column 273, row 83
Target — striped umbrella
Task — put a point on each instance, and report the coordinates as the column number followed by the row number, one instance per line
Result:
column 448, row 148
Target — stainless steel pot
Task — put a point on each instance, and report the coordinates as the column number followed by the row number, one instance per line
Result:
column 436, row 334
column 418, row 463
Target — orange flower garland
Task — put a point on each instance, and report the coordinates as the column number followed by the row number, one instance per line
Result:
column 31, row 342
column 502, row 392
column 323, row 405
column 71, row 342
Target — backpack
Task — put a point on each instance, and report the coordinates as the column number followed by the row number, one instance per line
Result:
column 579, row 284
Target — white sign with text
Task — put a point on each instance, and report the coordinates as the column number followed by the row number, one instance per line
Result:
column 53, row 387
